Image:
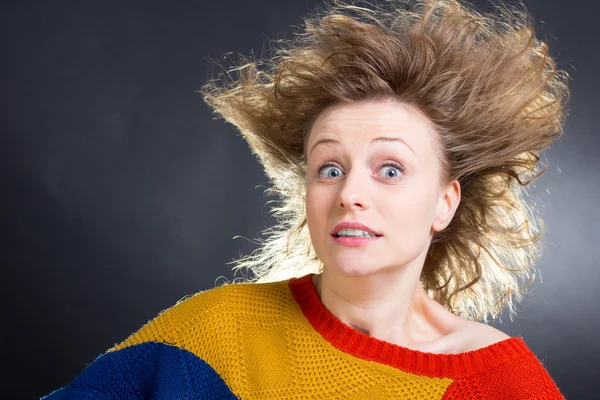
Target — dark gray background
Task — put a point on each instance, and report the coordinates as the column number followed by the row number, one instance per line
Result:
column 121, row 194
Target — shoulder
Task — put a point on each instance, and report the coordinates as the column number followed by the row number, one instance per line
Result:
column 199, row 333
column 235, row 300
column 521, row 375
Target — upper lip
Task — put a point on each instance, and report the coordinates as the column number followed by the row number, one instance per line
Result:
column 353, row 225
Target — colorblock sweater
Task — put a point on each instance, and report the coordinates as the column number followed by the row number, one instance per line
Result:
column 277, row 340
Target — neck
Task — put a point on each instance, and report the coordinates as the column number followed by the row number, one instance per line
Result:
column 389, row 305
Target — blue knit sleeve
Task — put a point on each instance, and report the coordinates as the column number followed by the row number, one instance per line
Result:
column 150, row 370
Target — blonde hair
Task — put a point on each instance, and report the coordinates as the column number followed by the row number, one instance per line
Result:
column 486, row 83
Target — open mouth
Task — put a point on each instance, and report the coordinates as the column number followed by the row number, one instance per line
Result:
column 356, row 237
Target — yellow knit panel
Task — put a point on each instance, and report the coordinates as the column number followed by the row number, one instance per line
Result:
column 257, row 339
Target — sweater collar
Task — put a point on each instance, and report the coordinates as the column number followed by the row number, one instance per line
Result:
column 360, row 345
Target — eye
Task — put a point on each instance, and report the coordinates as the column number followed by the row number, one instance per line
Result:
column 326, row 165
column 394, row 166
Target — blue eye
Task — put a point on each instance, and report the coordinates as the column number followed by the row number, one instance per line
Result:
column 323, row 166
column 394, row 165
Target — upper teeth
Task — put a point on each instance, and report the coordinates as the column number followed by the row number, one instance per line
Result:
column 354, row 232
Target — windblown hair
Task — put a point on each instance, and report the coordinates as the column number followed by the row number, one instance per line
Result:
column 486, row 83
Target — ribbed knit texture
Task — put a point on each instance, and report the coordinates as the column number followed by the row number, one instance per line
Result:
column 278, row 341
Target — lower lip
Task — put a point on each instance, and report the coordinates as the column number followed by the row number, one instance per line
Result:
column 354, row 241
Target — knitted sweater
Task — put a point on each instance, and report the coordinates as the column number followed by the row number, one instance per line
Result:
column 277, row 340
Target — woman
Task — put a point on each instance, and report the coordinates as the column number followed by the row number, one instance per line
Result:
column 399, row 139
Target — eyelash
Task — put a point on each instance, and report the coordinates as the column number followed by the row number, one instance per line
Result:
column 385, row 164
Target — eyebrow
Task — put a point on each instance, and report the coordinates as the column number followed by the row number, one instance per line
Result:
column 377, row 139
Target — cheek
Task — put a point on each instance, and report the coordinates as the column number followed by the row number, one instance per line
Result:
column 318, row 209
column 317, row 222
column 317, row 200
column 314, row 211
column 410, row 216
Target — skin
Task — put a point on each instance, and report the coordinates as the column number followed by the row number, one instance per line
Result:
column 375, row 288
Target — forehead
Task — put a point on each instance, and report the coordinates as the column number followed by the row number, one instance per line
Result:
column 364, row 120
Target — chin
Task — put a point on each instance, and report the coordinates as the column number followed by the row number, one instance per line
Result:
column 354, row 268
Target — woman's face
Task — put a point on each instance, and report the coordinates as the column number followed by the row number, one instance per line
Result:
column 360, row 182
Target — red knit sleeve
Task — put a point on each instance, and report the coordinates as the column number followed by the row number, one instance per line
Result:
column 523, row 378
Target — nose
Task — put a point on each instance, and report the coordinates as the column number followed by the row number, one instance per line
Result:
column 354, row 191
